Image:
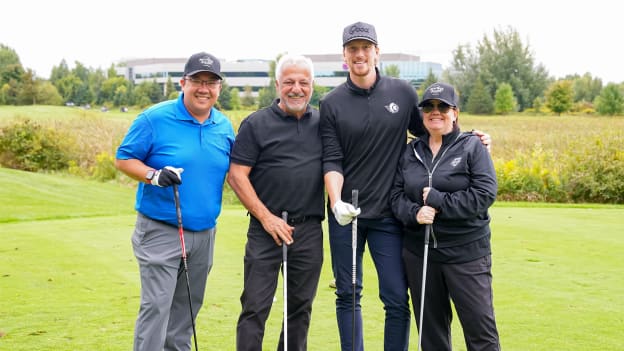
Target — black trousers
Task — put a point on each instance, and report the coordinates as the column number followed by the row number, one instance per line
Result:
column 263, row 261
column 469, row 286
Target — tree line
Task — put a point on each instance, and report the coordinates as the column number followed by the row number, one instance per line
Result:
column 498, row 76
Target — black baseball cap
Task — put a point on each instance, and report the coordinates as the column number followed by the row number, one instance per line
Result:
column 202, row 62
column 440, row 91
column 359, row 30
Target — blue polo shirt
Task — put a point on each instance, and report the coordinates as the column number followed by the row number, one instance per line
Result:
column 166, row 134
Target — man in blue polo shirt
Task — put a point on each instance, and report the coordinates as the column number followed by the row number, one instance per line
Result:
column 183, row 135
column 276, row 166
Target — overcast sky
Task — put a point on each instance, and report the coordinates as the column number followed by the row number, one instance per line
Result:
column 567, row 37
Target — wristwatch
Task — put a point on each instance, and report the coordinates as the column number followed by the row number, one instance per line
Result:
column 150, row 175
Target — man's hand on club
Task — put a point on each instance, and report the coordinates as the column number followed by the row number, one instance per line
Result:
column 344, row 212
column 167, row 176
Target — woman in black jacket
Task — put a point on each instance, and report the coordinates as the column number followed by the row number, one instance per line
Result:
column 446, row 181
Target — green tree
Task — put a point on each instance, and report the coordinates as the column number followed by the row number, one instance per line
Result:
column 10, row 66
column 225, row 97
column 121, row 96
column 504, row 99
column 9, row 92
column 586, row 88
column 94, row 81
column 430, row 79
column 27, row 94
column 480, row 102
column 47, row 93
column 11, row 73
column 248, row 101
column 4, row 93
column 392, row 71
column 500, row 59
column 169, row 88
column 112, row 90
column 59, row 72
column 265, row 97
column 235, row 101
column 538, row 103
column 111, row 72
column 267, row 94
column 84, row 94
column 610, row 101
column 317, row 95
column 37, row 91
column 560, row 96
column 464, row 73
column 150, row 90
column 68, row 86
column 81, row 71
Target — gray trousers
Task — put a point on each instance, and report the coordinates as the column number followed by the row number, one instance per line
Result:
column 164, row 322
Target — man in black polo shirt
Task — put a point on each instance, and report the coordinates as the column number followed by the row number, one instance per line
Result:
column 275, row 166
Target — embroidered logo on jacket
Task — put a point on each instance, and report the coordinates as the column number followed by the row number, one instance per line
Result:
column 392, row 107
column 456, row 161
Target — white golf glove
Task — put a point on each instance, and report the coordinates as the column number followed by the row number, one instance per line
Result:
column 167, row 176
column 344, row 212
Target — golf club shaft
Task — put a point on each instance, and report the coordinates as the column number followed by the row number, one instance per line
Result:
column 422, row 287
column 354, row 200
column 176, row 196
column 285, row 278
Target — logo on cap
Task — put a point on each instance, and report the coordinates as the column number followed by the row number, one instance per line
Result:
column 206, row 61
column 436, row 90
column 355, row 29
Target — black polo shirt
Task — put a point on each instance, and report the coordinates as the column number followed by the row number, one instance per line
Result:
column 285, row 156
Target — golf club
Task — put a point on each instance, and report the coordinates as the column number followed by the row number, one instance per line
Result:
column 176, row 196
column 285, row 279
column 354, row 200
column 424, row 274
column 424, row 281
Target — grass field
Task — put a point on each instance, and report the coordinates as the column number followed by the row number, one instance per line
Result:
column 69, row 281
column 511, row 134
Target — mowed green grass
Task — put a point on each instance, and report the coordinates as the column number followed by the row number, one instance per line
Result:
column 69, row 280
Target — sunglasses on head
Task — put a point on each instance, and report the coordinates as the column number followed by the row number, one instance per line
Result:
column 443, row 107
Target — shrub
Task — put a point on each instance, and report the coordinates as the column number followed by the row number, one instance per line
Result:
column 530, row 177
column 595, row 169
column 104, row 168
column 28, row 146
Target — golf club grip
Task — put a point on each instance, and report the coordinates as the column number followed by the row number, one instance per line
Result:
column 176, row 198
column 427, row 233
column 354, row 197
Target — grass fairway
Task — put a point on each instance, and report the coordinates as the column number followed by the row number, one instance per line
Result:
column 69, row 280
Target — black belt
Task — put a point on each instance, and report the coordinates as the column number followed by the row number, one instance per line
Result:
column 295, row 220
column 299, row 220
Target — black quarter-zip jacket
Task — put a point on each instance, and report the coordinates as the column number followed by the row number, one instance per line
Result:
column 363, row 132
column 463, row 187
